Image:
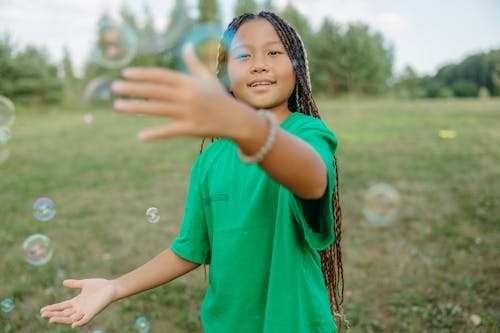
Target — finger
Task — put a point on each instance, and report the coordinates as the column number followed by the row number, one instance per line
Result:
column 82, row 321
column 165, row 132
column 70, row 283
column 194, row 64
column 61, row 320
column 150, row 108
column 158, row 75
column 143, row 89
column 56, row 307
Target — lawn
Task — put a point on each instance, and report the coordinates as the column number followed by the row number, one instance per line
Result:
column 434, row 270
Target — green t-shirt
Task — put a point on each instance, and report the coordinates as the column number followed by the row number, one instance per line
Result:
column 265, row 272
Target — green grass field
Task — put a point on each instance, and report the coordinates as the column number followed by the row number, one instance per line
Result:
column 429, row 272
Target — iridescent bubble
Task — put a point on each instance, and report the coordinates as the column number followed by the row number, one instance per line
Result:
column 7, row 305
column 37, row 249
column 88, row 118
column 5, row 135
column 142, row 325
column 381, row 204
column 97, row 331
column 44, row 209
column 7, row 115
column 205, row 38
column 116, row 44
column 152, row 214
column 99, row 89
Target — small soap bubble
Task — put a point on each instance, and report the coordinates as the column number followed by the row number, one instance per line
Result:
column 97, row 331
column 7, row 116
column 142, row 325
column 381, row 204
column 44, row 209
column 5, row 135
column 37, row 249
column 205, row 39
column 7, row 305
column 98, row 89
column 116, row 44
column 88, row 118
column 152, row 214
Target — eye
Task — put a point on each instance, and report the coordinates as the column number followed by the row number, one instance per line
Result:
column 241, row 56
column 275, row 52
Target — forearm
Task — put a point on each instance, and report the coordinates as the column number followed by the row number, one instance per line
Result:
column 163, row 268
column 291, row 161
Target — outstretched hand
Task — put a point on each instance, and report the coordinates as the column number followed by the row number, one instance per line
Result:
column 196, row 104
column 95, row 295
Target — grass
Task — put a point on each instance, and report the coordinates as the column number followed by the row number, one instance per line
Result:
column 429, row 272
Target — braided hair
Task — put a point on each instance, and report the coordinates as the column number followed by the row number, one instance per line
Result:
column 301, row 101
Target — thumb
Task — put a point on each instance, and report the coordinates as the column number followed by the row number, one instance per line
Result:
column 195, row 66
column 72, row 283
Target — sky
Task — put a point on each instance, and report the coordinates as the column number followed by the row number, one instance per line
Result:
column 425, row 34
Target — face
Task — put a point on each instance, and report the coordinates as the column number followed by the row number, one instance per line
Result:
column 259, row 69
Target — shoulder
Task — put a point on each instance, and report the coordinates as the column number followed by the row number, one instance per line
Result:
column 212, row 154
column 306, row 126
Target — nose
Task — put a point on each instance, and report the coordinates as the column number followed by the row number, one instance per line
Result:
column 259, row 65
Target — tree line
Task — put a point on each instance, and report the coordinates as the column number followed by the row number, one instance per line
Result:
column 350, row 59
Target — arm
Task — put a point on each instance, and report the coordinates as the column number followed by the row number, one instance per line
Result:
column 163, row 268
column 97, row 294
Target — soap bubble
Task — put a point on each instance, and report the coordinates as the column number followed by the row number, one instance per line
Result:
column 5, row 135
column 381, row 204
column 152, row 214
column 116, row 44
column 7, row 116
column 37, row 249
column 7, row 305
column 205, row 39
column 44, row 209
column 142, row 325
column 99, row 89
column 88, row 118
column 97, row 331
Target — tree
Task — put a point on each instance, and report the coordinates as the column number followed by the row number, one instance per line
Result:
column 408, row 84
column 245, row 6
column 365, row 63
column 325, row 45
column 267, row 5
column 209, row 12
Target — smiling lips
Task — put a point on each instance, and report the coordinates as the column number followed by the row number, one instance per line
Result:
column 260, row 84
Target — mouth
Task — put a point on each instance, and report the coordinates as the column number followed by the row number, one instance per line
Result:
column 260, row 84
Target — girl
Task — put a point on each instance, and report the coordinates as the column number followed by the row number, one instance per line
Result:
column 259, row 203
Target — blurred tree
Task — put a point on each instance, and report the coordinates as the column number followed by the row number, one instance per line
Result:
column 299, row 22
column 245, row 6
column 209, row 11
column 267, row 5
column 360, row 62
column 325, row 45
column 408, row 84
column 35, row 78
column 70, row 81
column 465, row 88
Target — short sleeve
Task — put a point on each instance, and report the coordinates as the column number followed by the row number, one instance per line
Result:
column 325, row 143
column 193, row 241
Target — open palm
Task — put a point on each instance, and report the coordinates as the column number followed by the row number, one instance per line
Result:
column 95, row 295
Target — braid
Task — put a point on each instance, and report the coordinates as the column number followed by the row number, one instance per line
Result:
column 301, row 101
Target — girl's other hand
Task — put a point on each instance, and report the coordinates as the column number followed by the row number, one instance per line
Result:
column 196, row 104
column 95, row 295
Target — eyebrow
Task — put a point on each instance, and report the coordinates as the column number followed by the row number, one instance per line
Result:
column 238, row 46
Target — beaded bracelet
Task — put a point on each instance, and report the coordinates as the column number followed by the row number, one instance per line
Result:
column 271, row 137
